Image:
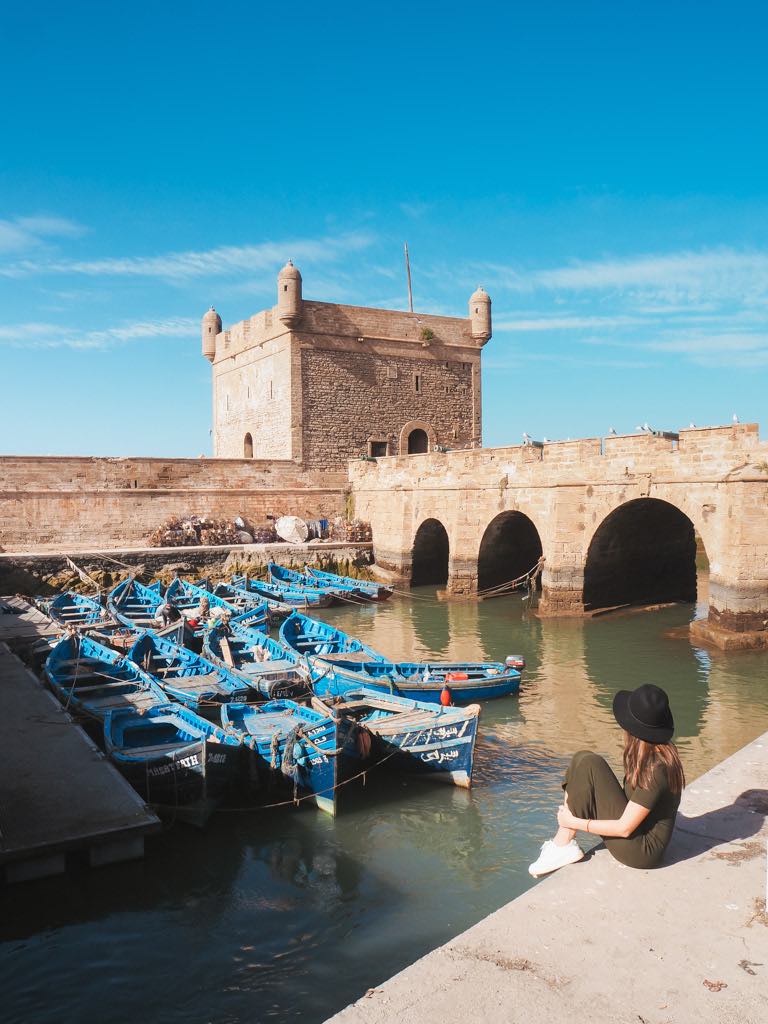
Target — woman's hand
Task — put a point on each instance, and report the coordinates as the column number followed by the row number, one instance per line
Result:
column 567, row 820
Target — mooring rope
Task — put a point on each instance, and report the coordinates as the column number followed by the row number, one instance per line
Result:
column 500, row 589
column 295, row 801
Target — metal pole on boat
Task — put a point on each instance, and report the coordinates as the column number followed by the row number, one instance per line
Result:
column 408, row 272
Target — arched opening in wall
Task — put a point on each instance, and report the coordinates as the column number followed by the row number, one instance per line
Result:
column 510, row 547
column 644, row 552
column 418, row 442
column 248, row 447
column 430, row 554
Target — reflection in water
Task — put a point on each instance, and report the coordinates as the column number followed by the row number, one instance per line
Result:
column 431, row 631
column 288, row 916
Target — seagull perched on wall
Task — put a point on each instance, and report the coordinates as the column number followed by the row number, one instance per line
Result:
column 692, row 426
column 735, row 418
column 612, row 431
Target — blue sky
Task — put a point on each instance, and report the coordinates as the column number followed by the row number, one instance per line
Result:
column 598, row 167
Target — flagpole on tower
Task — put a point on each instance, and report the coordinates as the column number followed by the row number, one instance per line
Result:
column 408, row 272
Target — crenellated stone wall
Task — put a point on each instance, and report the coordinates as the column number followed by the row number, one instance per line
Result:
column 342, row 377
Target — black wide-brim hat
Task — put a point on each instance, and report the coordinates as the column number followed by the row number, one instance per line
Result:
column 645, row 713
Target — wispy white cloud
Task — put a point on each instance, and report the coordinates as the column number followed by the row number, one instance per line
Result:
column 56, row 227
column 559, row 359
column 564, row 323
column 697, row 344
column 416, row 210
column 676, row 278
column 24, row 234
column 221, row 261
column 34, row 335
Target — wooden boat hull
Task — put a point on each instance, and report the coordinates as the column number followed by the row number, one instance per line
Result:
column 135, row 605
column 335, row 678
column 185, row 783
column 340, row 661
column 316, row 754
column 364, row 590
column 337, row 593
column 187, row 596
column 411, row 736
column 77, row 611
column 286, row 593
column 92, row 680
column 247, row 600
column 187, row 677
column 280, row 675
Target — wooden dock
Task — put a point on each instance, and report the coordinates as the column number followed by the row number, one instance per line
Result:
column 22, row 625
column 59, row 795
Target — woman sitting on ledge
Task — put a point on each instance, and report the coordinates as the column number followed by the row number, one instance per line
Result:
column 635, row 821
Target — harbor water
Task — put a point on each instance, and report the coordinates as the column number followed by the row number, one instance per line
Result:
column 289, row 915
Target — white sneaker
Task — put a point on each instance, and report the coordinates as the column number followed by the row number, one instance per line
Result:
column 553, row 857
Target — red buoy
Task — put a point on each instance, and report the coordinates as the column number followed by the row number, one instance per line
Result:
column 446, row 698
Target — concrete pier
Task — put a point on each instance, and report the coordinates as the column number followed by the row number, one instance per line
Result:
column 597, row 942
column 58, row 793
column 22, row 625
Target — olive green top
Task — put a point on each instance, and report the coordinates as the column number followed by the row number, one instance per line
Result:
column 656, row 830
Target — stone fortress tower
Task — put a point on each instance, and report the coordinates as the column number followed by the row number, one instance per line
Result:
column 320, row 383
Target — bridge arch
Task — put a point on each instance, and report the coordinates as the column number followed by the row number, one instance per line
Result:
column 510, row 546
column 643, row 552
column 429, row 555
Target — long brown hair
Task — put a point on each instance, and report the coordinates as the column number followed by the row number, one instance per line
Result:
column 640, row 759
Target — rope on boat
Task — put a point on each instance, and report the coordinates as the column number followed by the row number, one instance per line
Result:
column 308, row 796
column 76, row 640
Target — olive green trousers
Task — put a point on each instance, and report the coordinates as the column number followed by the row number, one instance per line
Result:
column 594, row 792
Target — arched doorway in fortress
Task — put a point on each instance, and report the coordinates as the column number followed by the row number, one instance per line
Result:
column 429, row 557
column 416, row 438
column 644, row 552
column 510, row 547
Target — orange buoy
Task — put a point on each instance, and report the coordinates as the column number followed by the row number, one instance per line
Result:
column 446, row 698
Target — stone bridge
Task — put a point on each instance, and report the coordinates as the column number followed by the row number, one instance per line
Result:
column 621, row 520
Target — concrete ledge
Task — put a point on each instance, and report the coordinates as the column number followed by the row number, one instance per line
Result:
column 41, row 571
column 598, row 942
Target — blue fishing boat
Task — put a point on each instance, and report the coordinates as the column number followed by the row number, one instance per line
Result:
column 134, row 604
column 356, row 664
column 294, row 751
column 92, row 679
column 177, row 761
column 191, row 600
column 365, row 590
column 406, row 735
column 274, row 670
column 77, row 611
column 295, row 597
column 279, row 574
column 247, row 600
column 188, row 677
